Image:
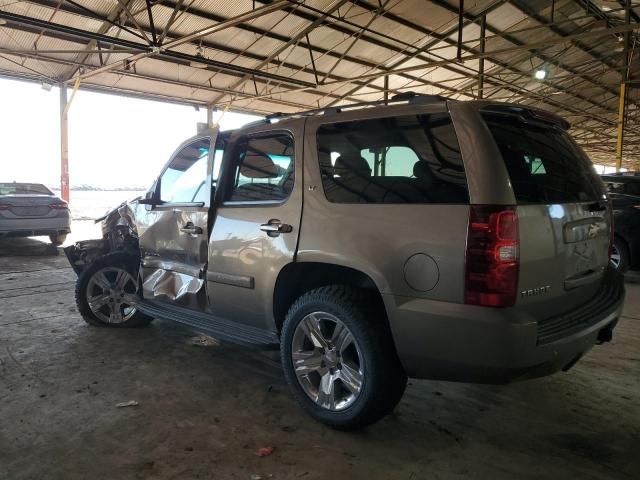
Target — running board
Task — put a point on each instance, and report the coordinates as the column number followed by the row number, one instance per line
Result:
column 210, row 325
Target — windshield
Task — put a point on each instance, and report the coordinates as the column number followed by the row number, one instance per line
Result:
column 545, row 165
column 24, row 189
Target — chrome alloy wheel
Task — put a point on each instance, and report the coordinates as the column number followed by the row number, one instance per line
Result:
column 615, row 256
column 327, row 361
column 112, row 295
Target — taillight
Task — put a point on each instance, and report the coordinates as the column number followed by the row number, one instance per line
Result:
column 491, row 272
column 59, row 205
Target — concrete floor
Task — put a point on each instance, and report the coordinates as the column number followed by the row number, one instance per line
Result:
column 204, row 409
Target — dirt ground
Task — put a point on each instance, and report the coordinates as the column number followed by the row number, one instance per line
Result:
column 204, row 408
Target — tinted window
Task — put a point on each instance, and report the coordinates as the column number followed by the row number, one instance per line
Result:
column 264, row 169
column 24, row 189
column 632, row 188
column 613, row 186
column 544, row 163
column 185, row 177
column 409, row 159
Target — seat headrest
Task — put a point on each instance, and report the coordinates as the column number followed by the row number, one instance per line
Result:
column 257, row 165
column 422, row 171
column 352, row 163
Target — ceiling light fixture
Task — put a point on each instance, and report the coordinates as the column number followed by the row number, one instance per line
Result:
column 540, row 74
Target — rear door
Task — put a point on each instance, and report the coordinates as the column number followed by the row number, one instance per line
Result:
column 563, row 215
column 173, row 235
column 255, row 233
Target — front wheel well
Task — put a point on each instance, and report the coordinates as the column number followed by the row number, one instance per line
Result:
column 295, row 279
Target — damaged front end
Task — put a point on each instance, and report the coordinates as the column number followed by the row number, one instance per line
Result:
column 119, row 233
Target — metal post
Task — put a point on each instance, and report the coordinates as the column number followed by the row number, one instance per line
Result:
column 622, row 106
column 209, row 116
column 460, row 27
column 621, row 114
column 386, row 89
column 483, row 31
column 64, row 144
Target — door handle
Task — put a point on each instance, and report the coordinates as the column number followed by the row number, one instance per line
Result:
column 274, row 227
column 191, row 229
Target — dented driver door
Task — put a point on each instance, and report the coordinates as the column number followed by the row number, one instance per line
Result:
column 173, row 240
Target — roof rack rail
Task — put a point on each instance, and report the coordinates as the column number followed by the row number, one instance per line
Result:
column 255, row 123
column 413, row 97
column 410, row 97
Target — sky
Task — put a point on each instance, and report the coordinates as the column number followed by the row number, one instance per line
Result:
column 113, row 141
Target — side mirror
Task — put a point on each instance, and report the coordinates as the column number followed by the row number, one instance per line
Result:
column 149, row 198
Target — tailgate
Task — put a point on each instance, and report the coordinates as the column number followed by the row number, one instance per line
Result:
column 564, row 252
column 563, row 215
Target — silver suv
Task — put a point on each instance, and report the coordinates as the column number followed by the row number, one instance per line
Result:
column 428, row 238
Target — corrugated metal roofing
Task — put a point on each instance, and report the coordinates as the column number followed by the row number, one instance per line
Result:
column 311, row 53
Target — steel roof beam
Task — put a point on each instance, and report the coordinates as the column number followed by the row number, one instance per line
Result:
column 139, row 47
column 527, row 10
column 426, row 47
column 445, row 63
column 542, row 56
column 228, row 49
column 64, row 37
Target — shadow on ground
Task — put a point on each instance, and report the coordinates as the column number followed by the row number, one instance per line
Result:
column 27, row 247
column 204, row 408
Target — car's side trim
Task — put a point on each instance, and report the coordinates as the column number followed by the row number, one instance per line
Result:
column 217, row 327
column 230, row 279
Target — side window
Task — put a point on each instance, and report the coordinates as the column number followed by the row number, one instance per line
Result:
column 264, row 169
column 409, row 159
column 184, row 180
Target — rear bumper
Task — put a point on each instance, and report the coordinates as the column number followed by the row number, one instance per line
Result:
column 35, row 226
column 457, row 342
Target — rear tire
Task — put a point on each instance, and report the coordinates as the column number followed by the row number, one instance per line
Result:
column 339, row 359
column 58, row 240
column 111, row 284
column 620, row 255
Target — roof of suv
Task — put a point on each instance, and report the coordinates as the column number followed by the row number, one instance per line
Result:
column 412, row 98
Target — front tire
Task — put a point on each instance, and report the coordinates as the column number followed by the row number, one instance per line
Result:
column 107, row 292
column 339, row 359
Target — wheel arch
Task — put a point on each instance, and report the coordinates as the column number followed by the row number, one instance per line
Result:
column 297, row 278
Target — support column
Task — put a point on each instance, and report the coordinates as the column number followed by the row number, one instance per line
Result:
column 622, row 106
column 386, row 89
column 621, row 117
column 209, row 116
column 460, row 27
column 64, row 144
column 483, row 31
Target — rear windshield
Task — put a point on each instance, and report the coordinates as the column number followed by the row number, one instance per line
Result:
column 24, row 189
column 544, row 163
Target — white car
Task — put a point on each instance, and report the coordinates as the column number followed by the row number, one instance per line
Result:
column 31, row 209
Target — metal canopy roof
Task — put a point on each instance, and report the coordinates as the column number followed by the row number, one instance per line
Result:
column 288, row 55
